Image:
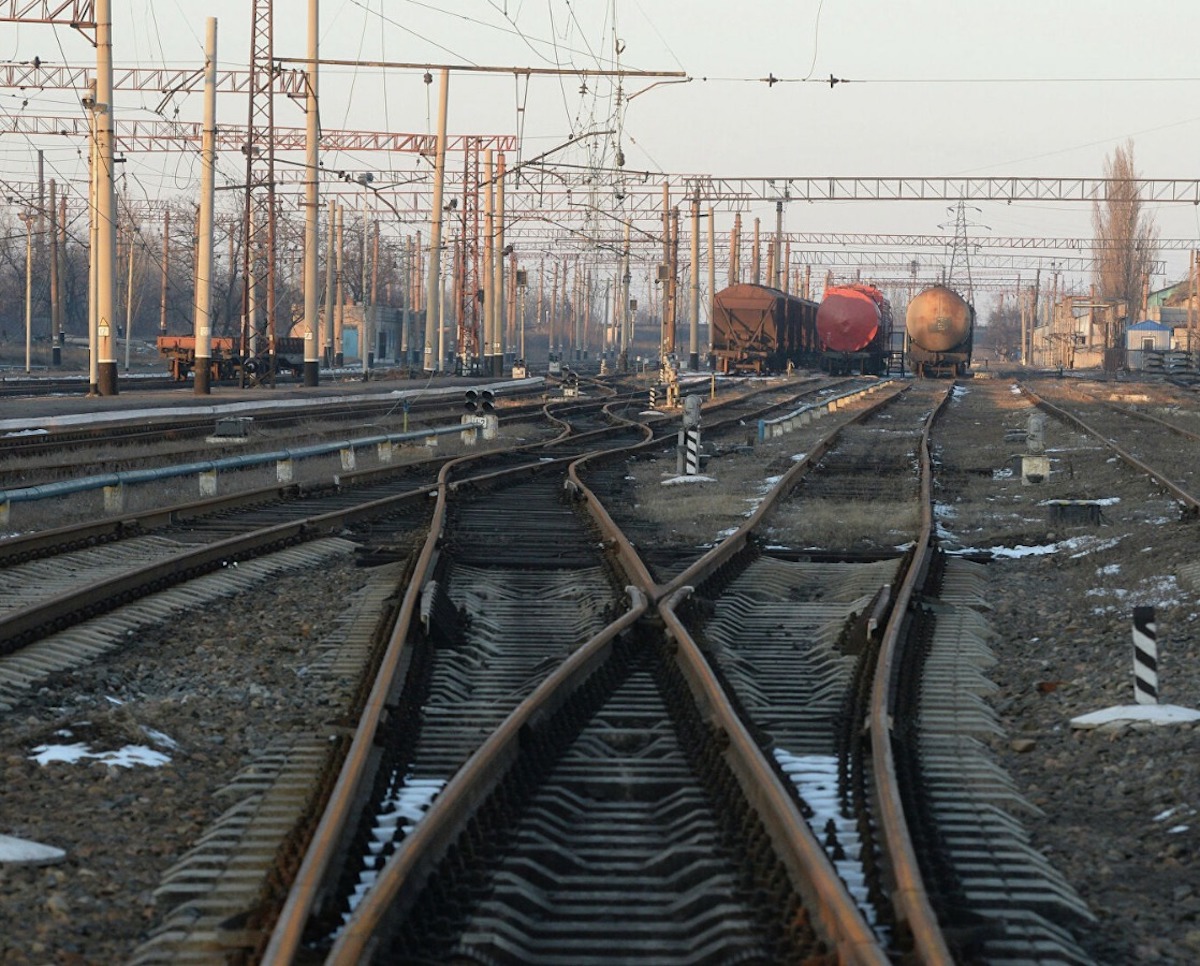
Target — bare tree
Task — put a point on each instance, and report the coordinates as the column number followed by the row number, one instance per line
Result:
column 1126, row 235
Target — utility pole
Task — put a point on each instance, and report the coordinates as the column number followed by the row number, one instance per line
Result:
column 489, row 262
column 55, row 283
column 756, row 258
column 40, row 254
column 260, row 176
column 499, row 305
column 339, row 307
column 130, row 234
column 312, row 202
column 694, row 304
column 166, row 257
column 28, row 217
column 553, row 319
column 93, row 236
column 331, row 284
column 364, row 329
column 406, row 302
column 1027, row 346
column 780, row 269
column 623, row 358
column 735, row 250
column 712, row 278
column 433, row 295
column 106, row 373
column 204, row 261
column 375, row 287
column 673, row 282
column 664, row 276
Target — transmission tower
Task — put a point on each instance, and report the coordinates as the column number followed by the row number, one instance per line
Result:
column 259, row 224
column 960, row 251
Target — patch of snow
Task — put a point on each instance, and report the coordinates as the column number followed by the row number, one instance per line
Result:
column 698, row 478
column 125, row 757
column 816, row 781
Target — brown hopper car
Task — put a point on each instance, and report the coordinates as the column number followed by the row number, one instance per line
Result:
column 760, row 329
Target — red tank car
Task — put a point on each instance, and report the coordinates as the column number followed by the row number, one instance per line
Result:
column 854, row 326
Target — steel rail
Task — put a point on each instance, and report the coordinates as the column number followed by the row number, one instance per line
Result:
column 1190, row 502
column 909, row 896
column 809, row 867
column 302, row 897
column 102, row 596
column 1157, row 420
column 807, row 863
column 632, row 562
column 286, row 936
column 407, row 870
column 106, row 595
column 732, row 544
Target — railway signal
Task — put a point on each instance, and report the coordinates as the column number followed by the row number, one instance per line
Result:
column 480, row 401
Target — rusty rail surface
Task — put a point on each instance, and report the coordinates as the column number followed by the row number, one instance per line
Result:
column 1190, row 502
column 285, row 939
column 811, row 872
column 910, row 897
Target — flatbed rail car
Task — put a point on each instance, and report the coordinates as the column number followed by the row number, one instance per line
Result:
column 760, row 329
column 225, row 362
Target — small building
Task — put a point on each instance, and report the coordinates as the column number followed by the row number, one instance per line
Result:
column 1144, row 343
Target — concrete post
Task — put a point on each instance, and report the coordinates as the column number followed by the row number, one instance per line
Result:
column 106, row 209
column 208, row 167
column 312, row 201
column 433, row 294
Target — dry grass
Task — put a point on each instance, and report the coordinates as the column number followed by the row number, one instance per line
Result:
column 700, row 513
column 845, row 525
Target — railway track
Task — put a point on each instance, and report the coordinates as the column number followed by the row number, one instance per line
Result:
column 144, row 438
column 793, row 857
column 622, row 699
column 1163, row 449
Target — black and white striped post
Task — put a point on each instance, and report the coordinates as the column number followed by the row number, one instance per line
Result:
column 691, row 434
column 1145, row 656
column 692, row 444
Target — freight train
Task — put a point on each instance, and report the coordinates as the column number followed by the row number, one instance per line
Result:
column 225, row 362
column 760, row 329
column 854, row 324
column 940, row 327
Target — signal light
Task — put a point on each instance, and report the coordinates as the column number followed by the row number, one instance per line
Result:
column 479, row 401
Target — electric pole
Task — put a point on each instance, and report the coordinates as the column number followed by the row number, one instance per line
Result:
column 312, row 202
column 204, row 261
column 106, row 221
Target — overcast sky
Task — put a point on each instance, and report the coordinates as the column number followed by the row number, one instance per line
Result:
column 940, row 87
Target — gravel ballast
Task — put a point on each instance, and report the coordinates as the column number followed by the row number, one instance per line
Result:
column 1116, row 806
